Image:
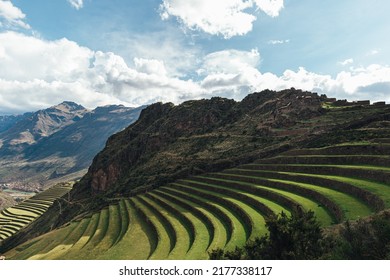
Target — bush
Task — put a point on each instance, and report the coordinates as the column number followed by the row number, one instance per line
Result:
column 365, row 239
column 298, row 237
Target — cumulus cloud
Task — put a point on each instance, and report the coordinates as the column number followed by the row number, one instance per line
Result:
column 11, row 16
column 230, row 72
column 77, row 4
column 150, row 66
column 270, row 7
column 48, row 72
column 346, row 62
column 218, row 17
column 235, row 73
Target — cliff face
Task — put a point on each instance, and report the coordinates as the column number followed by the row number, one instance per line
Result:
column 169, row 142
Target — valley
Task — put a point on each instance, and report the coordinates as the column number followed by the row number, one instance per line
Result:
column 186, row 180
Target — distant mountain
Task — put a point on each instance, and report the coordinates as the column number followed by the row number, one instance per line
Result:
column 31, row 128
column 56, row 142
column 8, row 121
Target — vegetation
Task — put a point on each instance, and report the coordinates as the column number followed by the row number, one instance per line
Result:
column 270, row 191
column 261, row 210
column 13, row 219
column 300, row 237
column 295, row 237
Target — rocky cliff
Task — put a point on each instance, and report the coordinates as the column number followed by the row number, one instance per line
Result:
column 169, row 142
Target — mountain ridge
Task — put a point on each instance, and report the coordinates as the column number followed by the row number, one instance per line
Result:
column 224, row 124
column 55, row 142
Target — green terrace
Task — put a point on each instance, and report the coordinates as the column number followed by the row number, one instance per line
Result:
column 19, row 216
column 191, row 217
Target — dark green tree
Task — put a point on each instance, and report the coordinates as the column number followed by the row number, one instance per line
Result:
column 294, row 237
column 364, row 239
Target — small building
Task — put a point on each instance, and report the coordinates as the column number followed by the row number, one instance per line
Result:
column 343, row 102
column 363, row 102
column 379, row 103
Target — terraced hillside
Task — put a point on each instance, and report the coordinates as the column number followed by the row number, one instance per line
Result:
column 14, row 218
column 190, row 217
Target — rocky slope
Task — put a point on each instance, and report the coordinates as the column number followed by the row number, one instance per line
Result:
column 169, row 142
column 58, row 142
column 6, row 200
column 32, row 128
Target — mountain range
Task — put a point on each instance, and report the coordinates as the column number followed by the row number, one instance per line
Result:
column 40, row 148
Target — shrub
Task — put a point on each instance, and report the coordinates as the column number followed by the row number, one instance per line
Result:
column 290, row 238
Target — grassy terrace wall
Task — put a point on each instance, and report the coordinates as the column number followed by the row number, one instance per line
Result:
column 189, row 218
column 19, row 216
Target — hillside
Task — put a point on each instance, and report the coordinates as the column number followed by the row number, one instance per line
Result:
column 43, row 123
column 5, row 200
column 184, row 180
column 170, row 142
column 8, row 121
column 42, row 147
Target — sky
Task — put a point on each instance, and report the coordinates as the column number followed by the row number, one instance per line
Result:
column 137, row 52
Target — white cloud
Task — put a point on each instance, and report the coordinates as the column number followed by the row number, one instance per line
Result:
column 178, row 56
column 48, row 72
column 11, row 16
column 270, row 7
column 346, row 62
column 232, row 73
column 373, row 52
column 278, row 42
column 150, row 66
column 77, row 4
column 235, row 73
column 230, row 61
column 218, row 17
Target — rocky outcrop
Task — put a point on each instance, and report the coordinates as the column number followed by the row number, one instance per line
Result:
column 169, row 141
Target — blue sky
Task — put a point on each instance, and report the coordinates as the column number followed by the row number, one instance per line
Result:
column 98, row 52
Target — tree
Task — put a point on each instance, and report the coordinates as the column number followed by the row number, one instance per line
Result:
column 295, row 237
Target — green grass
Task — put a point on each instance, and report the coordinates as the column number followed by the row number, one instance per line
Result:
column 164, row 244
column 382, row 190
column 222, row 229
column 183, row 234
column 190, row 217
column 125, row 220
column 201, row 239
column 30, row 209
column 77, row 247
column 364, row 167
column 136, row 243
column 113, row 230
column 63, row 247
column 275, row 207
column 351, row 206
column 239, row 233
column 255, row 215
column 52, row 242
column 216, row 231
